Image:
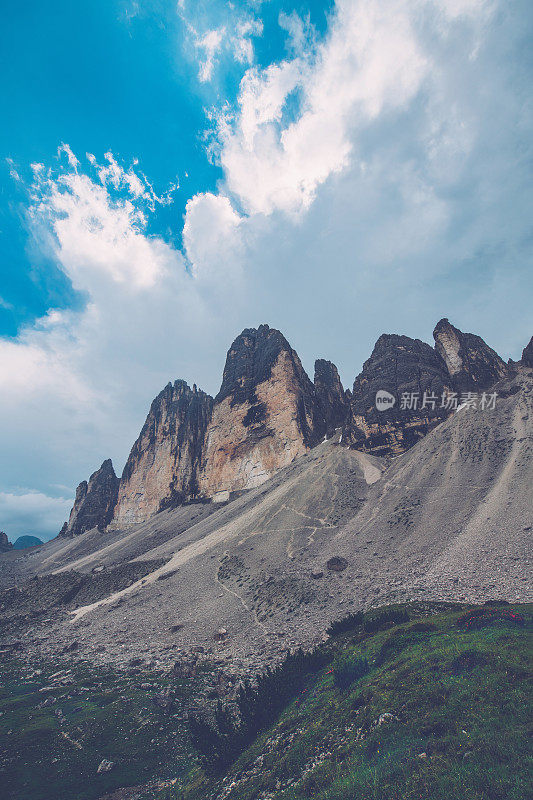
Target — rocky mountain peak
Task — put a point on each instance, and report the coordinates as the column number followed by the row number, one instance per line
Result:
column 264, row 416
column 418, row 377
column 330, row 394
column 5, row 544
column 94, row 502
column 398, row 365
column 471, row 363
column 268, row 413
column 250, row 360
column 162, row 468
column 527, row 354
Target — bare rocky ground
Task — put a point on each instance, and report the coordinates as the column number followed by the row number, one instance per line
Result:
column 335, row 531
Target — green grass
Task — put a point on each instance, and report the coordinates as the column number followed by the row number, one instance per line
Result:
column 458, row 693
column 52, row 751
column 457, row 705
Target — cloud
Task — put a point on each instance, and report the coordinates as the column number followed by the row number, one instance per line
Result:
column 211, row 236
column 214, row 45
column 32, row 514
column 210, row 44
column 78, row 382
column 373, row 61
column 95, row 232
column 13, row 170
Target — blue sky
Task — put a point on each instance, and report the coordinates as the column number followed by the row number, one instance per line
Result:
column 172, row 172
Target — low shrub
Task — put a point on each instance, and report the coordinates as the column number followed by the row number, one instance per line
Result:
column 421, row 627
column 468, row 660
column 348, row 670
column 382, row 619
column 346, row 624
column 496, row 603
column 477, row 618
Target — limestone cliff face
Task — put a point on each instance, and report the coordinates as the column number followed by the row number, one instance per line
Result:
column 471, row 364
column 94, row 502
column 331, row 397
column 5, row 544
column 264, row 416
column 162, row 468
column 398, row 365
column 527, row 354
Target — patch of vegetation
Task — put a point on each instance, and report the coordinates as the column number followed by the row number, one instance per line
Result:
column 442, row 712
column 349, row 623
column 221, row 739
column 58, row 724
column 384, row 618
column 477, row 618
column 349, row 669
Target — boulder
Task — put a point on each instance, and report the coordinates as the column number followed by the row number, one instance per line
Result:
column 105, row 765
column 337, row 564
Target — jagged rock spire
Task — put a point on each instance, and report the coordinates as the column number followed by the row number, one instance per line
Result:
column 94, row 503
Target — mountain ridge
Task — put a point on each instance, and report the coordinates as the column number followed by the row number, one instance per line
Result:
column 193, row 447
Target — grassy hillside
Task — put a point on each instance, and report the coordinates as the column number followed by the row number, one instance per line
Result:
column 438, row 706
column 57, row 725
column 413, row 701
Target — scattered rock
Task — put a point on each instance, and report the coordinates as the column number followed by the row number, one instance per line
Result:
column 178, row 626
column 105, row 765
column 337, row 564
column 383, row 719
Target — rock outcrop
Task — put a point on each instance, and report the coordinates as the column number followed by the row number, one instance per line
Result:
column 399, row 366
column 94, row 502
column 471, row 363
column 425, row 384
column 264, row 416
column 5, row 544
column 330, row 395
column 162, row 468
column 527, row 354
